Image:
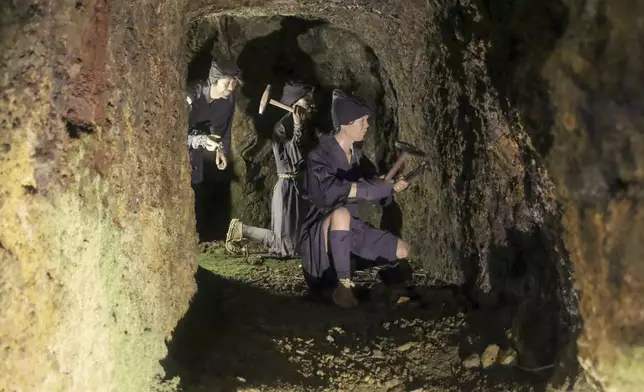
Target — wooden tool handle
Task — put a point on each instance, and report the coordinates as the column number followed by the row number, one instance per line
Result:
column 280, row 105
column 394, row 169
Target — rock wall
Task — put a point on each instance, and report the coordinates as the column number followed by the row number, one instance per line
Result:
column 97, row 242
column 597, row 161
column 497, row 216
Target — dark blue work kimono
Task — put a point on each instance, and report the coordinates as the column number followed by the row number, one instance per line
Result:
column 329, row 179
column 208, row 117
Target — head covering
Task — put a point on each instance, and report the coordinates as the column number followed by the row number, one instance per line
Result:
column 346, row 108
column 223, row 70
column 293, row 92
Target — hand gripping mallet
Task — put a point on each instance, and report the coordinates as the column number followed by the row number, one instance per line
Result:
column 266, row 99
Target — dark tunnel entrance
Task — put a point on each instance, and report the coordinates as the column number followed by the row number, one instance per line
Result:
column 274, row 50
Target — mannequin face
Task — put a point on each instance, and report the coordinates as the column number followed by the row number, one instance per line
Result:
column 223, row 88
column 357, row 129
column 306, row 103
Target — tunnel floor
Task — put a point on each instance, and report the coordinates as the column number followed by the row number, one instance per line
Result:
column 252, row 327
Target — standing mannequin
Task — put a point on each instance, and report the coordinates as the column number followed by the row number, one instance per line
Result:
column 212, row 107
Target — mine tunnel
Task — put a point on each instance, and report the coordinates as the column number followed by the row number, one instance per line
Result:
column 524, row 229
column 514, row 277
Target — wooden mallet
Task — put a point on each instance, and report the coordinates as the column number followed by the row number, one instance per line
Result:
column 406, row 150
column 266, row 99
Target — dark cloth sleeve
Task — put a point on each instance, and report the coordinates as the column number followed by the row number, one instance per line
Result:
column 326, row 189
column 279, row 133
column 192, row 90
column 367, row 168
column 374, row 189
column 371, row 187
column 200, row 128
column 227, row 133
column 223, row 134
column 297, row 134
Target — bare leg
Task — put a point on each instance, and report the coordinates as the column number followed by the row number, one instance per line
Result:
column 237, row 231
column 338, row 244
column 384, row 249
column 257, row 234
column 402, row 249
column 339, row 219
column 401, row 271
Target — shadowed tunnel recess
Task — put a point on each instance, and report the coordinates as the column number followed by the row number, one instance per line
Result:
column 480, row 223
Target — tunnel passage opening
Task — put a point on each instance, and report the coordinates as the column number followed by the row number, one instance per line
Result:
column 271, row 51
